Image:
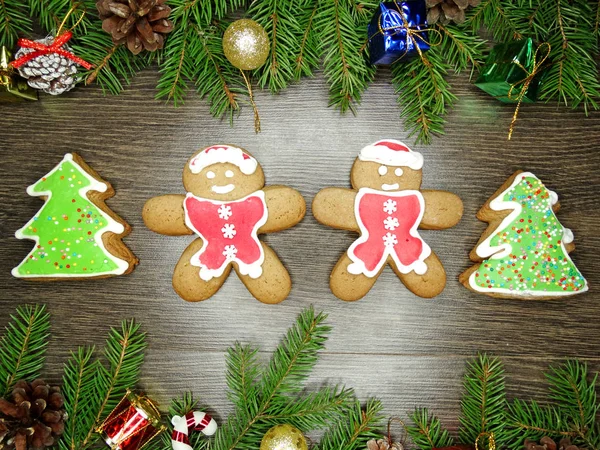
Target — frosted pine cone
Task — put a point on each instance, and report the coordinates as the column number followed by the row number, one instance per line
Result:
column 446, row 11
column 51, row 73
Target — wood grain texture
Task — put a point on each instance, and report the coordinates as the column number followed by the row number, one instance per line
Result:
column 407, row 350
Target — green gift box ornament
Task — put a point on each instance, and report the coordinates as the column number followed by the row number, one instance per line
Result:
column 13, row 88
column 508, row 68
column 513, row 72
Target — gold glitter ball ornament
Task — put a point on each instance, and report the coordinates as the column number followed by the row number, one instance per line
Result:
column 246, row 44
column 283, row 437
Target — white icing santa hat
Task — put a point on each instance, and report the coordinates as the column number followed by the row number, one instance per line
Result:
column 223, row 154
column 391, row 153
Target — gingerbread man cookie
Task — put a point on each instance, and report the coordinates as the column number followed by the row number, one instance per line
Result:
column 387, row 206
column 227, row 208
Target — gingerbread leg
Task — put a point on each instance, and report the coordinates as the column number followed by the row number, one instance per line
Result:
column 274, row 284
column 186, row 278
column 346, row 286
column 428, row 285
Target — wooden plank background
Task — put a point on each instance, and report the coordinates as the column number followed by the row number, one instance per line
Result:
column 406, row 350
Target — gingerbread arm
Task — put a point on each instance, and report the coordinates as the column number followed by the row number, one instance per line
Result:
column 334, row 207
column 442, row 210
column 165, row 215
column 286, row 207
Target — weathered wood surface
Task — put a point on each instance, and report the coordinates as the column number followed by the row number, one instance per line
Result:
column 406, row 350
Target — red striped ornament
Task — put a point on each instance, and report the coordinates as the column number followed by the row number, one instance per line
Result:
column 192, row 421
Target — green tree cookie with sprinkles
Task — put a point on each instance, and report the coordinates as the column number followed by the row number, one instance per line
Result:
column 76, row 235
column 524, row 252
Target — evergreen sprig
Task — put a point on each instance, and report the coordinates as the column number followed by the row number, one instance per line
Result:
column 23, row 346
column 94, row 387
column 306, row 34
column 426, row 431
column 79, row 392
column 354, row 430
column 265, row 396
column 423, row 94
column 341, row 31
column 484, row 400
column 14, row 21
column 572, row 412
column 285, row 34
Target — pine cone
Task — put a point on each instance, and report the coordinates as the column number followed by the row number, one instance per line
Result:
column 51, row 73
column 32, row 417
column 547, row 443
column 141, row 24
column 446, row 11
column 383, row 444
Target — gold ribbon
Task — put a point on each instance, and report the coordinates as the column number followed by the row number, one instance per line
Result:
column 74, row 8
column 525, row 83
column 412, row 34
column 491, row 440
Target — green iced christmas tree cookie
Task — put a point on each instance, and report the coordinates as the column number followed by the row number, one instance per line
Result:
column 70, row 230
column 527, row 254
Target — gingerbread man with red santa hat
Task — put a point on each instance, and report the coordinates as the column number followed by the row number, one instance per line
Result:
column 387, row 207
column 226, row 206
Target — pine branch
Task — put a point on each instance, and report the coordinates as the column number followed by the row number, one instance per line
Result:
column 529, row 420
column 51, row 13
column 493, row 15
column 124, row 353
column 353, row 432
column 313, row 411
column 279, row 19
column 290, row 364
column 341, row 37
column 423, row 93
column 79, row 392
column 307, row 58
column 242, row 373
column 14, row 21
column 216, row 79
column 427, row 432
column 460, row 48
column 23, row 346
column 597, row 19
column 572, row 77
column 576, row 395
column 484, row 400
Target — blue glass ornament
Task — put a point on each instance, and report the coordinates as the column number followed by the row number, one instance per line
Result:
column 388, row 37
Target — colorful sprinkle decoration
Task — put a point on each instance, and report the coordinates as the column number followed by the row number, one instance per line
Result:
column 527, row 253
column 68, row 228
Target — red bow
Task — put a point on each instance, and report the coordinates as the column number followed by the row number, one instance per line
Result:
column 43, row 49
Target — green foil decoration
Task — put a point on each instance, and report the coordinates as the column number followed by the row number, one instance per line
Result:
column 502, row 72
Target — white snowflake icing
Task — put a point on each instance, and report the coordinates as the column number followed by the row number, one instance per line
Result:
column 389, row 206
column 389, row 240
column 225, row 212
column 391, row 223
column 228, row 231
column 230, row 252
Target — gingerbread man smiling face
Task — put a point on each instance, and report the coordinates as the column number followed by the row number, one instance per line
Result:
column 387, row 207
column 227, row 207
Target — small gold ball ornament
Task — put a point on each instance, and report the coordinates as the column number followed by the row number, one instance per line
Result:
column 283, row 437
column 246, row 44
